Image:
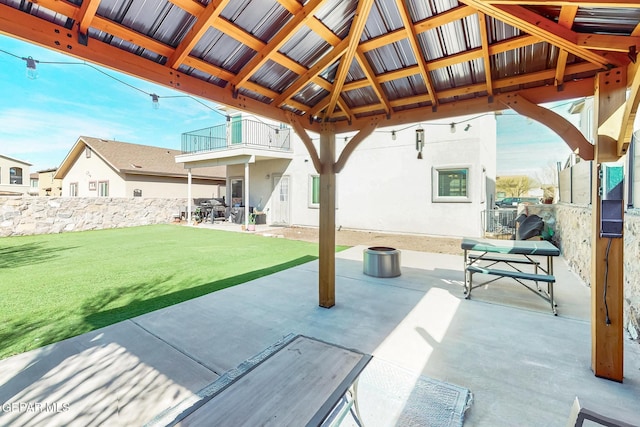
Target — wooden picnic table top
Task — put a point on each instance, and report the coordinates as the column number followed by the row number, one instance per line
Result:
column 297, row 385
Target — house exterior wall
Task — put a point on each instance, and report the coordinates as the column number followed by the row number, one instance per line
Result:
column 384, row 186
column 46, row 181
column 6, row 185
column 92, row 169
column 160, row 186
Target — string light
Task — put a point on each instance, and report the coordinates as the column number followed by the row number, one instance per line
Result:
column 32, row 72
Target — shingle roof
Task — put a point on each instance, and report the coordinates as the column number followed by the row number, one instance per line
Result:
column 140, row 159
column 15, row 160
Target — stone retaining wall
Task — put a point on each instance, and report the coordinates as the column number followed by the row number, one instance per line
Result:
column 21, row 216
column 572, row 227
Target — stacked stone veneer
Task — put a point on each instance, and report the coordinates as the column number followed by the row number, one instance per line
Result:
column 21, row 216
column 572, row 227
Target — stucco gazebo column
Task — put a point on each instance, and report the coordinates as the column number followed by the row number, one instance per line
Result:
column 327, row 220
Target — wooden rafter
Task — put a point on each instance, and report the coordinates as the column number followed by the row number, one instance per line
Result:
column 204, row 21
column 607, row 42
column 482, row 23
column 417, row 50
column 319, row 67
column 375, row 85
column 531, row 23
column 561, row 126
column 86, row 15
column 630, row 110
column 580, row 3
column 355, row 32
column 567, row 15
column 294, row 24
column 292, row 6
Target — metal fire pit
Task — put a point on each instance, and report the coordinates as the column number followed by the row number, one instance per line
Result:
column 380, row 261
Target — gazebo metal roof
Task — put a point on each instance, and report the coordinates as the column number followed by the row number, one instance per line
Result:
column 344, row 61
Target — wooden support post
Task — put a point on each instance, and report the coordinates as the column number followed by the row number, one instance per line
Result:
column 607, row 346
column 327, row 250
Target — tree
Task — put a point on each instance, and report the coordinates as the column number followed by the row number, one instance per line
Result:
column 514, row 186
column 548, row 178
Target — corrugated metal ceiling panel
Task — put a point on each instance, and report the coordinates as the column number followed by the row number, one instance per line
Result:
column 391, row 57
column 383, row 18
column 405, row 87
column 306, row 47
column 274, row 76
column 158, row 19
column 261, row 18
column 223, row 51
column 202, row 75
column 337, row 15
column 310, row 95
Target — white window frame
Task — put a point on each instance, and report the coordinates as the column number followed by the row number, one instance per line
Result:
column 73, row 189
column 311, row 204
column 102, row 186
column 435, row 181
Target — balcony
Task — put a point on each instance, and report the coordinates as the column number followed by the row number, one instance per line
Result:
column 237, row 135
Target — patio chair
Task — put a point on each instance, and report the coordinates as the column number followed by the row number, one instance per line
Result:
column 579, row 414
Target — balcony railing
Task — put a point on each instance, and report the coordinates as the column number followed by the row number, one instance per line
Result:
column 236, row 134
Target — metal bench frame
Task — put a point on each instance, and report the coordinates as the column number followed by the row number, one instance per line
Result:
column 518, row 276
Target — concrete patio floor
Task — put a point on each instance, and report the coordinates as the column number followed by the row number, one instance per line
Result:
column 523, row 365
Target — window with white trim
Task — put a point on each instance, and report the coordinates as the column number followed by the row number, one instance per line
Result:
column 314, row 191
column 103, row 188
column 451, row 184
column 73, row 189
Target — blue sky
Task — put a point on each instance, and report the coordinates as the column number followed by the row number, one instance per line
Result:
column 41, row 119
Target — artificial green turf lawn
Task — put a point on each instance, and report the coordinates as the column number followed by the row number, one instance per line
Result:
column 57, row 286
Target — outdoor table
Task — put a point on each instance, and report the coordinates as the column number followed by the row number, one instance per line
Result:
column 298, row 384
column 512, row 253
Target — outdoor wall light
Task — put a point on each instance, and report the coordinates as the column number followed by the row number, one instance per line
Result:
column 419, row 141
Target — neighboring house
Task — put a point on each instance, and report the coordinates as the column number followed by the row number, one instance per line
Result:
column 14, row 176
column 384, row 186
column 47, row 184
column 34, row 178
column 103, row 168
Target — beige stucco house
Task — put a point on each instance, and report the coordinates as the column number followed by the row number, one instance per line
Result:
column 14, row 176
column 104, row 168
column 47, row 185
